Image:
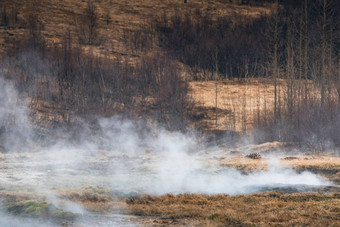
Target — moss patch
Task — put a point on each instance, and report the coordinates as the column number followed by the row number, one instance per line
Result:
column 38, row 209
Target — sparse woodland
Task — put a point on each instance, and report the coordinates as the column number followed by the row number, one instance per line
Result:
column 295, row 48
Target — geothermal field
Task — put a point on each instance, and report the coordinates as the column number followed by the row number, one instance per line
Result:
column 169, row 113
column 106, row 185
column 127, row 173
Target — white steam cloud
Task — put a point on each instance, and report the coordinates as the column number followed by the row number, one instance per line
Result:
column 15, row 126
column 123, row 156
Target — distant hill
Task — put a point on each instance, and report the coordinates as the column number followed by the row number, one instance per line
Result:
column 115, row 19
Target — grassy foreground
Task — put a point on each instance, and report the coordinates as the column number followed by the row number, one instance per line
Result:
column 258, row 209
column 265, row 209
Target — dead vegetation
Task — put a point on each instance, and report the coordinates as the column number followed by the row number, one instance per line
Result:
column 90, row 45
column 266, row 209
column 254, row 156
column 327, row 166
column 80, row 42
column 113, row 19
column 94, row 199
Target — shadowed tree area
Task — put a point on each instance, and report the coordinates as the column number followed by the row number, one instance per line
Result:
column 295, row 47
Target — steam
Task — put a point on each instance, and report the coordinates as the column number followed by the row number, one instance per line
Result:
column 15, row 127
column 124, row 156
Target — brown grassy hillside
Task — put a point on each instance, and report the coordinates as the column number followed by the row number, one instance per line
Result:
column 120, row 27
column 115, row 18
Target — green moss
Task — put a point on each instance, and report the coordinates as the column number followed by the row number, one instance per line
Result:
column 96, row 190
column 62, row 214
column 34, row 208
column 213, row 216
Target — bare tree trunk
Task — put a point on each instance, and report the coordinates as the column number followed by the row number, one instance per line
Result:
column 83, row 94
column 323, row 53
column 216, row 82
column 289, row 75
column 330, row 78
column 306, row 40
column 338, row 82
column 300, row 56
column 275, row 60
column 103, row 91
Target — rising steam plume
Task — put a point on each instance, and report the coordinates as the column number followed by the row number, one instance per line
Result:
column 124, row 157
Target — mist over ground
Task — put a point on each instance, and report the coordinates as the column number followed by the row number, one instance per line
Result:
column 112, row 110
column 127, row 156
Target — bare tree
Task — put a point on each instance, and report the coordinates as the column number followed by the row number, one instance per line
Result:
column 88, row 24
column 216, row 83
column 275, row 57
column 306, row 42
column 4, row 18
column 323, row 52
column 35, row 28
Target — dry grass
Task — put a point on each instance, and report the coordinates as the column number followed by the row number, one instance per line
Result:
column 327, row 166
column 242, row 99
column 245, row 164
column 268, row 209
column 297, row 162
column 242, row 102
column 261, row 209
column 91, row 198
column 94, row 199
column 60, row 17
column 318, row 162
column 238, row 103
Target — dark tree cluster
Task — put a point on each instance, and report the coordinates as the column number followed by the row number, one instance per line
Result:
column 200, row 41
column 8, row 16
column 297, row 47
column 88, row 86
column 304, row 43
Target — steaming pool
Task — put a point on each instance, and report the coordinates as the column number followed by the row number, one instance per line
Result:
column 45, row 173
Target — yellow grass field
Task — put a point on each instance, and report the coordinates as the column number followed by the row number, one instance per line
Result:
column 268, row 209
column 237, row 102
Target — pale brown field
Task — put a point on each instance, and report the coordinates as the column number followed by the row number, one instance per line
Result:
column 241, row 103
column 237, row 102
column 327, row 166
column 267, row 209
column 259, row 209
column 297, row 162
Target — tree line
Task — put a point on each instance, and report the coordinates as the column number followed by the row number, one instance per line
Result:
column 298, row 43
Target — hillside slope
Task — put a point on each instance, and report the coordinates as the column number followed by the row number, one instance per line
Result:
column 115, row 18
